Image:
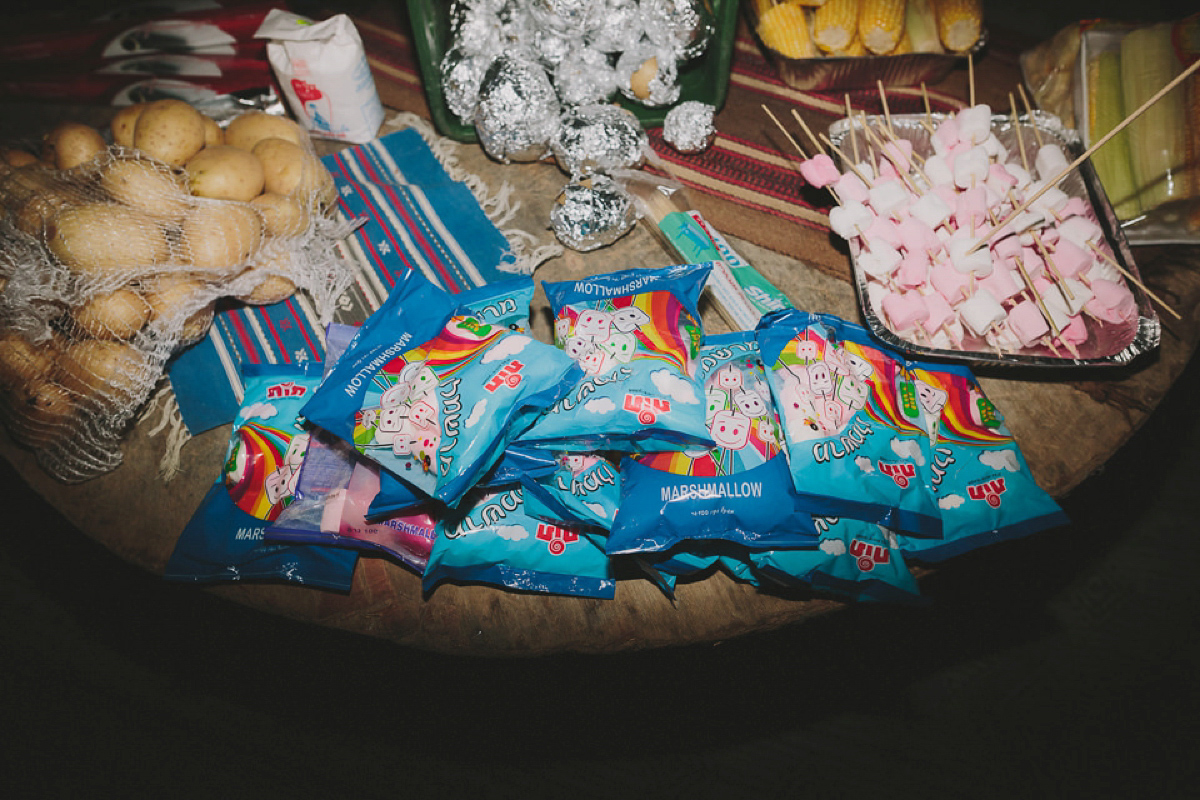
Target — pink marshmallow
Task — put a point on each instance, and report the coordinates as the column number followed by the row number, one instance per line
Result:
column 950, row 283
column 1002, row 283
column 905, row 310
column 1111, row 302
column 819, row 171
column 945, row 135
column 1070, row 259
column 1074, row 332
column 884, row 229
column 916, row 236
column 940, row 312
column 850, row 188
column 1005, row 248
column 913, row 271
column 1075, row 207
column 1025, row 320
column 971, row 210
column 898, row 152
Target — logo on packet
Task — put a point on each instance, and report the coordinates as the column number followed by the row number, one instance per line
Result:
column 646, row 408
column 509, row 375
column 285, row 389
column 988, row 491
column 868, row 555
column 556, row 538
column 306, row 91
column 901, row 472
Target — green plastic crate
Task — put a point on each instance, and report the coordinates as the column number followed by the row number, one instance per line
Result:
column 705, row 79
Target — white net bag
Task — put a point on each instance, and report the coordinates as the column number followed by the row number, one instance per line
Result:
column 113, row 255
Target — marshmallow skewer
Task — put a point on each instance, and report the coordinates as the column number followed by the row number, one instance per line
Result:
column 1037, row 297
column 1103, row 140
column 1017, row 130
column 853, row 136
column 838, row 152
column 807, row 131
column 971, row 77
column 1029, row 113
column 887, row 114
column 1061, row 282
column 928, row 121
column 1129, row 276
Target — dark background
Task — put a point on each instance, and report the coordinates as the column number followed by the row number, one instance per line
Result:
column 1063, row 665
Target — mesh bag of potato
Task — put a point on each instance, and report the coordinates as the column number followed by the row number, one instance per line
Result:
column 114, row 251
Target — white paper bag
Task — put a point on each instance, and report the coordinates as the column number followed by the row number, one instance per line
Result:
column 322, row 69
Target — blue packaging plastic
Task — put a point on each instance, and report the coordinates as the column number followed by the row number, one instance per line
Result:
column 634, row 333
column 740, row 490
column 852, row 449
column 224, row 540
column 584, row 489
column 497, row 542
column 984, row 490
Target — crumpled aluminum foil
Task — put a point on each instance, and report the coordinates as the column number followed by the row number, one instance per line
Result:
column 648, row 74
column 592, row 212
column 585, row 77
column 599, row 138
column 518, row 111
column 684, row 27
column 690, row 127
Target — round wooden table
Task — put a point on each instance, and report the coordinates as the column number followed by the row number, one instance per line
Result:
column 1068, row 424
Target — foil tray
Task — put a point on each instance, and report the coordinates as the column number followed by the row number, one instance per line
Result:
column 1108, row 345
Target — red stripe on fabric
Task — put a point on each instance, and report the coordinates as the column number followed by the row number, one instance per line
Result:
column 450, row 282
column 268, row 325
column 373, row 209
column 244, row 337
column 294, row 310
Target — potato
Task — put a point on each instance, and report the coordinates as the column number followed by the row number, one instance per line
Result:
column 169, row 130
column 251, row 127
column 37, row 195
column 70, row 144
column 180, row 303
column 220, row 236
column 225, row 172
column 103, row 239
column 119, row 314
column 45, row 416
column 22, row 362
column 124, row 122
column 16, row 157
column 147, row 186
column 269, row 268
column 114, row 371
column 291, row 170
column 639, row 81
column 282, row 215
column 214, row 134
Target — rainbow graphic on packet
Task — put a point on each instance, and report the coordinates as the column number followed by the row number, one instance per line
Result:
column 261, row 462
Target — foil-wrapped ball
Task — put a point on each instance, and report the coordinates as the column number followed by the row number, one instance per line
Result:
column 620, row 28
column 462, row 74
column 592, row 212
column 585, row 77
column 685, row 27
column 649, row 75
column 689, row 127
column 570, row 17
column 518, row 111
column 476, row 28
column 599, row 138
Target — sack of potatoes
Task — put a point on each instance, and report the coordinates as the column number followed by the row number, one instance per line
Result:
column 138, row 230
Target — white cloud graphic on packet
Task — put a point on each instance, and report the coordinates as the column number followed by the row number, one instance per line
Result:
column 259, row 411
column 476, row 413
column 597, row 509
column 601, row 405
column 673, row 386
column 864, row 463
column 951, row 501
column 833, row 547
column 507, row 347
column 908, row 448
column 512, row 533
column 999, row 459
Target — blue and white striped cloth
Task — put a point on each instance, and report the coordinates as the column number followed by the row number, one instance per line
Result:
column 416, row 217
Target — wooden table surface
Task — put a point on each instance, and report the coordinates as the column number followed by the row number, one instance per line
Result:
column 1067, row 424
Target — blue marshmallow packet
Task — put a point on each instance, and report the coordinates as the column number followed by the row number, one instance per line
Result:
column 584, row 489
column 634, row 333
column 978, row 477
column 740, row 490
column 492, row 539
column 433, row 394
column 852, row 450
column 225, row 538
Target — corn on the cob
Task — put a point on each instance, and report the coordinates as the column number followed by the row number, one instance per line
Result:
column 784, row 29
column 920, row 25
column 853, row 50
column 1105, row 109
column 835, row 24
column 881, row 24
column 1157, row 139
column 959, row 23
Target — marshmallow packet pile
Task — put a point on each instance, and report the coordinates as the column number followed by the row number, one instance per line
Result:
column 952, row 259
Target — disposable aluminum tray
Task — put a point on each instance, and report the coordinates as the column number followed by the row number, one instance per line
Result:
column 1107, row 344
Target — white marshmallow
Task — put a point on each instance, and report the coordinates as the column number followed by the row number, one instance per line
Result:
column 930, row 209
column 888, row 197
column 850, row 219
column 879, row 259
column 938, row 170
column 971, row 168
column 1050, row 161
column 974, row 123
column 977, row 263
column 981, row 312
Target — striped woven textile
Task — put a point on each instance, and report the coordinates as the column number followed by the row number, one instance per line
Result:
column 416, row 217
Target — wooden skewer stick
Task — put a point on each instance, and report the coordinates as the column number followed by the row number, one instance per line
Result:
column 1037, row 297
column 784, row 130
column 887, row 114
column 1068, row 295
column 853, row 135
column 1017, row 129
column 875, row 140
column 808, row 132
column 1103, row 140
column 971, row 77
column 1129, row 277
column 1029, row 113
column 928, row 111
